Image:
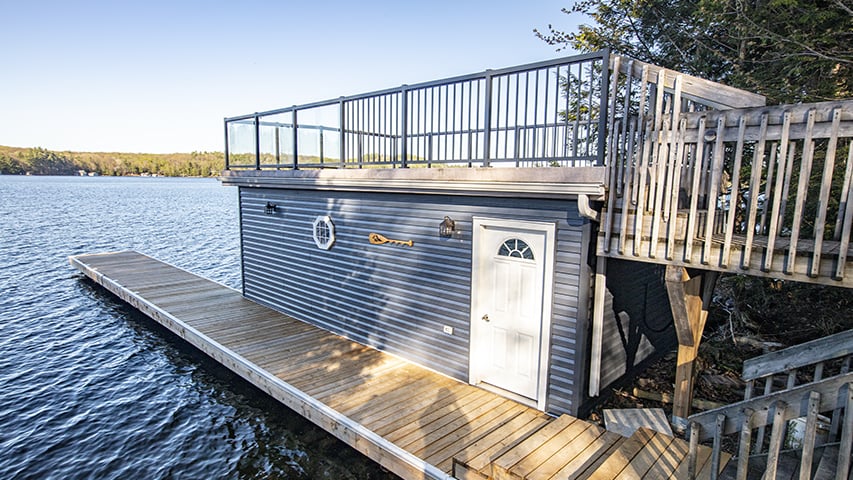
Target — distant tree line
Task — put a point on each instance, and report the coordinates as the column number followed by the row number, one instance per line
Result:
column 40, row 161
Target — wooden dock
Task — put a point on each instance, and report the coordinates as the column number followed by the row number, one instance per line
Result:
column 414, row 422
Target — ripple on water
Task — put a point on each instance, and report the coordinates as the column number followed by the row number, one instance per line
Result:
column 93, row 389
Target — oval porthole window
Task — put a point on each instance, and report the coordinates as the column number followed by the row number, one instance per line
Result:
column 516, row 248
column 324, row 232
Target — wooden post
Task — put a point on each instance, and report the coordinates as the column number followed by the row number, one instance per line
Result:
column 597, row 325
column 689, row 296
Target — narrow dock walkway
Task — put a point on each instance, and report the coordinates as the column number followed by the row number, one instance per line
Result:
column 417, row 423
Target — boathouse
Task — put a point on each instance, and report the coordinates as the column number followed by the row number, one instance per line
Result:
column 450, row 223
column 490, row 251
column 484, row 226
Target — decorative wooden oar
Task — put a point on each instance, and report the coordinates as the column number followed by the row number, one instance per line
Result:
column 378, row 239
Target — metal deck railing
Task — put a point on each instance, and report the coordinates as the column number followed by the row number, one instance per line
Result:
column 698, row 174
column 550, row 113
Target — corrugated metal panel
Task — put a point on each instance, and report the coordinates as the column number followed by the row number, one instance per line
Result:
column 637, row 319
column 398, row 298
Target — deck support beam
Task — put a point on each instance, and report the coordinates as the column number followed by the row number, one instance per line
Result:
column 690, row 293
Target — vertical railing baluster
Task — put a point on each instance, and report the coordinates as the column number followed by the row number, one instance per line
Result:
column 602, row 116
column 227, row 151
column 487, row 119
column 692, row 450
column 776, row 213
column 342, row 114
column 404, row 134
column 321, row 145
column 257, row 143
column 295, row 141
column 278, row 147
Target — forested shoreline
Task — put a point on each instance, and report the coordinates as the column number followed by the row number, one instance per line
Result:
column 40, row 161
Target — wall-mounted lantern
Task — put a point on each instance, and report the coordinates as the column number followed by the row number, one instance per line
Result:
column 269, row 209
column 446, row 227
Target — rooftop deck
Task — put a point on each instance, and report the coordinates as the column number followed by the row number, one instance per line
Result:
column 416, row 423
column 695, row 173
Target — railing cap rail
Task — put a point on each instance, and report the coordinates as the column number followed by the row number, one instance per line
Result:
column 809, row 353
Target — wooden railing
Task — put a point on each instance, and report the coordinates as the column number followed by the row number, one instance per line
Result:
column 764, row 191
column 820, row 394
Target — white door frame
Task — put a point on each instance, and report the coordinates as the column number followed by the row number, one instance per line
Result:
column 549, row 228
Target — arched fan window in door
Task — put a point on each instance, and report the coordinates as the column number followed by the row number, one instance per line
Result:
column 516, row 248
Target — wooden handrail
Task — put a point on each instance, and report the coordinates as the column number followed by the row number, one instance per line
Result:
column 776, row 409
column 706, row 92
column 734, row 413
column 798, row 356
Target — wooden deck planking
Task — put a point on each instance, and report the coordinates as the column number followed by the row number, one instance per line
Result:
column 443, row 456
column 490, row 413
column 413, row 421
column 385, row 424
column 525, row 450
column 590, row 446
column 438, row 421
column 540, row 459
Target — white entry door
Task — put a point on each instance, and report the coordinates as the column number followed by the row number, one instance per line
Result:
column 511, row 305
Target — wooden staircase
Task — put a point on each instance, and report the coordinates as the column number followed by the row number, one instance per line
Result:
column 801, row 381
column 570, row 448
column 825, row 365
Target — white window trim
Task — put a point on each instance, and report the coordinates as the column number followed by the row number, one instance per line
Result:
column 327, row 221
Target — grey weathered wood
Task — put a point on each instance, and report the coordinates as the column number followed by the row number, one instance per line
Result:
column 670, row 208
column 828, row 389
column 695, row 431
column 628, row 191
column 798, row 131
column 848, row 215
column 694, row 194
column 836, row 413
column 823, row 198
column 798, row 356
column 759, row 440
column 665, row 129
column 716, row 449
column 611, row 140
column 716, row 172
column 678, row 159
column 754, row 185
column 818, row 371
column 777, row 435
column 776, row 206
column 845, row 190
column 775, row 165
column 844, row 449
column 802, row 187
column 743, row 447
column 700, row 90
column 809, row 437
column 827, row 267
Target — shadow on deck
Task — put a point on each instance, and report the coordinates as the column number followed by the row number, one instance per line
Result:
column 415, row 422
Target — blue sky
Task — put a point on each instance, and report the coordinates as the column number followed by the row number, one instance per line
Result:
column 159, row 76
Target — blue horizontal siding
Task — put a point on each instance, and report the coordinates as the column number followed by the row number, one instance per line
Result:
column 398, row 298
column 638, row 305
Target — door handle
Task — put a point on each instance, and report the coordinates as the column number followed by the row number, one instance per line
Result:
column 486, row 317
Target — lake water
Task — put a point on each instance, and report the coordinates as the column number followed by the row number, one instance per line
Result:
column 91, row 388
